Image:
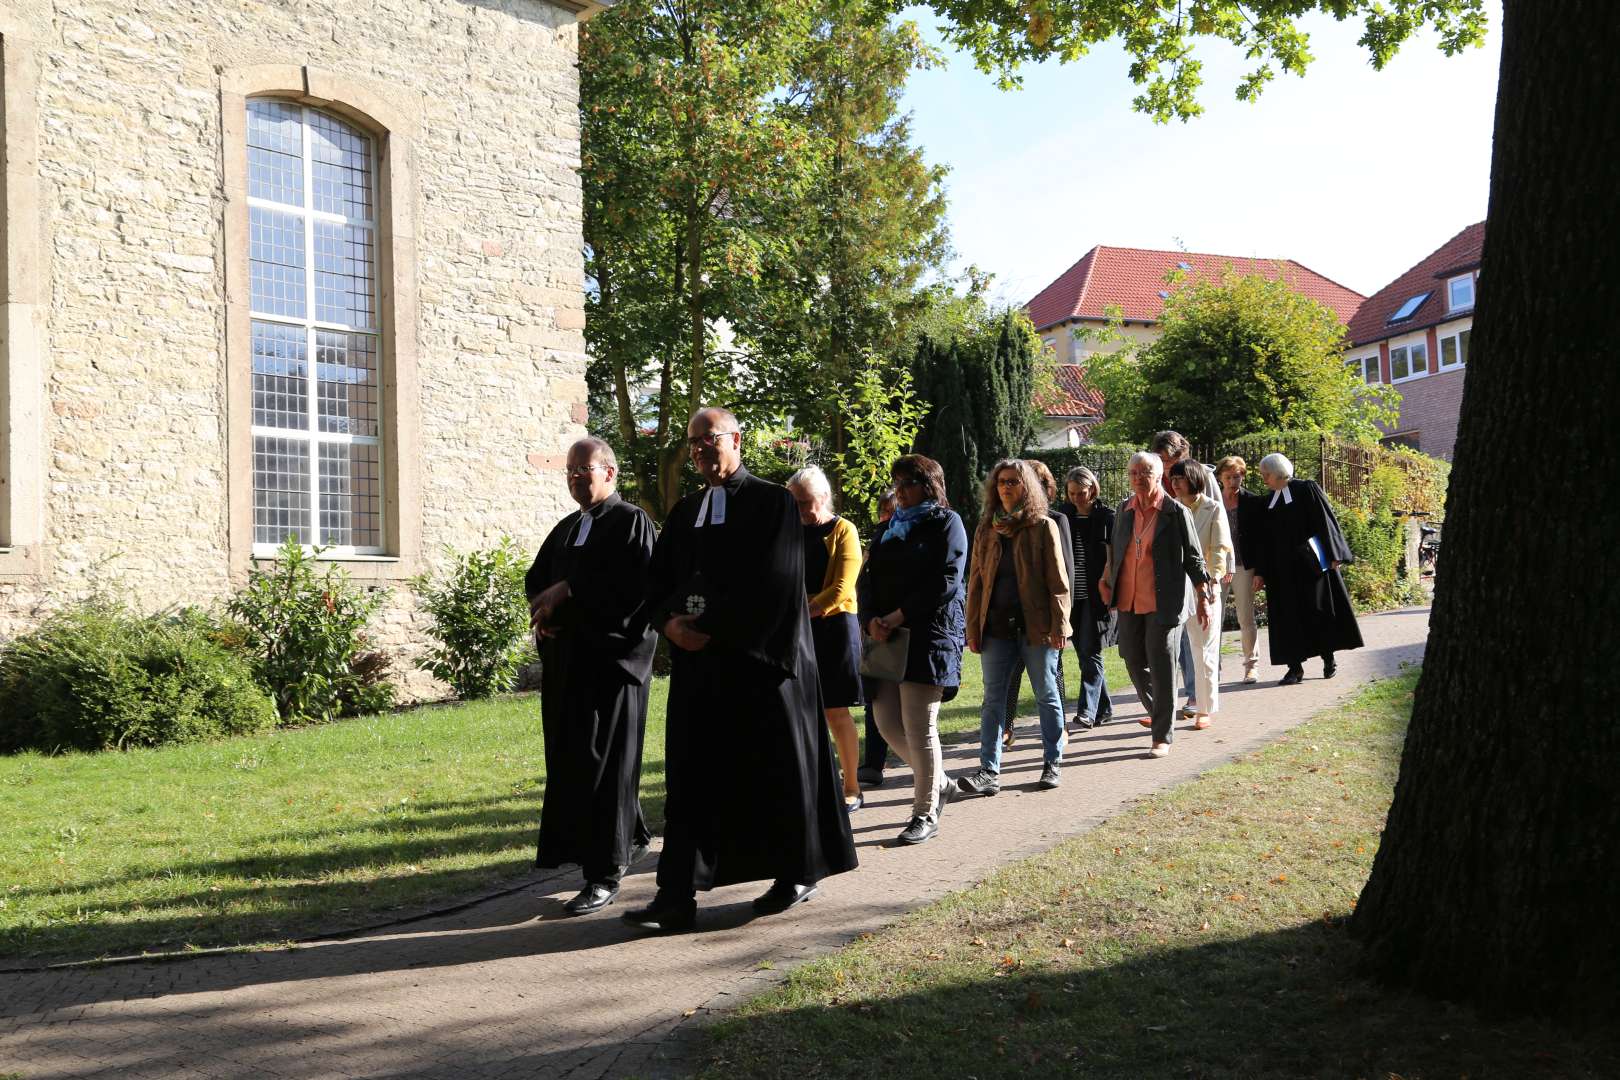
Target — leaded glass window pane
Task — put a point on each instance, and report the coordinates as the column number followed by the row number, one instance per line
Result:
column 280, row 376
column 345, row 275
column 275, row 152
column 348, row 394
column 340, row 164
column 276, row 263
column 280, row 489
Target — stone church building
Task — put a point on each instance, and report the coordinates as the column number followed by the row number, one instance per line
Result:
column 282, row 267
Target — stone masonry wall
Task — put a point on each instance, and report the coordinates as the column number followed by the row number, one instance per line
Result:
column 131, row 193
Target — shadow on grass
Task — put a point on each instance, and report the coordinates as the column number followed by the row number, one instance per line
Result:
column 1283, row 1004
column 352, row 881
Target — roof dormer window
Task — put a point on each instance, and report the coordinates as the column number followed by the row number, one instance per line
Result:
column 1460, row 293
column 1408, row 309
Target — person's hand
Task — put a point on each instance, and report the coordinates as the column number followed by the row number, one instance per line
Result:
column 544, row 605
column 1106, row 591
column 1227, row 580
column 1203, row 614
column 1337, row 564
column 816, row 610
column 973, row 646
column 1058, row 641
column 683, row 633
column 879, row 630
column 1259, row 583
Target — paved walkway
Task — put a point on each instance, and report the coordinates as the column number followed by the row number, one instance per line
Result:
column 512, row 988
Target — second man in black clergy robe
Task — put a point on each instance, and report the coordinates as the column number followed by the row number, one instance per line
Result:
column 587, row 594
column 1307, row 605
column 753, row 792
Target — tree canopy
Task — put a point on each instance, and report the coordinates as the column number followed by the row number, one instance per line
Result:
column 1160, row 37
column 1236, row 355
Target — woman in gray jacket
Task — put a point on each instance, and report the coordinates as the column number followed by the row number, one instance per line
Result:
column 1155, row 554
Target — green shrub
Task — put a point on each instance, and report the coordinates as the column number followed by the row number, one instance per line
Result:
column 305, row 632
column 99, row 677
column 480, row 620
column 1376, row 539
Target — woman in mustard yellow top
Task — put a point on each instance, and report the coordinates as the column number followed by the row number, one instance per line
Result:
column 832, row 561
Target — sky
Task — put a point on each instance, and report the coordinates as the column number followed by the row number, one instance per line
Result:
column 1355, row 173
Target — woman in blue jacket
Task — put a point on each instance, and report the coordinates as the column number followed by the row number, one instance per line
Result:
column 914, row 580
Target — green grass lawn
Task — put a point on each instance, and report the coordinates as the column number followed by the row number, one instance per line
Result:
column 1200, row 934
column 264, row 839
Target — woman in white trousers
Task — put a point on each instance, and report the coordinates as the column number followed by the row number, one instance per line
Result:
column 1190, row 481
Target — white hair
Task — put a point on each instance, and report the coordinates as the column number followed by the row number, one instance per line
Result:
column 814, row 482
column 1151, row 460
column 1277, row 465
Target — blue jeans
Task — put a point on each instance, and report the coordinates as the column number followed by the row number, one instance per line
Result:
column 998, row 657
column 1093, row 701
column 1189, row 684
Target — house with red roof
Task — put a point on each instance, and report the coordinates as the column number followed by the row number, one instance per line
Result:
column 1131, row 282
column 1413, row 334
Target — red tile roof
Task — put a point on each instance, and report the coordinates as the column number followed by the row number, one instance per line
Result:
column 1132, row 278
column 1457, row 255
column 1075, row 397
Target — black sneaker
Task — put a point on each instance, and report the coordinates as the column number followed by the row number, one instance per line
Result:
column 1049, row 775
column 638, row 851
column 666, row 912
column 919, row 830
column 983, row 782
column 1104, row 718
column 1083, row 722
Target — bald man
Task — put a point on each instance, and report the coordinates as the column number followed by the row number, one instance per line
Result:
column 588, row 609
column 753, row 790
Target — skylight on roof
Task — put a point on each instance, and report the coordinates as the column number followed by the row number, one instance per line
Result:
column 1407, row 309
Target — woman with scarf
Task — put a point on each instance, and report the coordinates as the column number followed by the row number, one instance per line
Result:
column 912, row 583
column 1017, row 608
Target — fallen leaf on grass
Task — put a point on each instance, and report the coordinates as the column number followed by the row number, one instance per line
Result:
column 1237, row 898
column 1280, row 879
column 979, row 941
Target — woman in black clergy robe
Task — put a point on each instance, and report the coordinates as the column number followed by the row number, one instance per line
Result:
column 596, row 654
column 753, row 790
column 1307, row 605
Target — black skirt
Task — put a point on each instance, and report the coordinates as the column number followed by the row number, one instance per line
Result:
column 838, row 656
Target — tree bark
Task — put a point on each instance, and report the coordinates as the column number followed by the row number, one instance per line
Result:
column 1498, row 879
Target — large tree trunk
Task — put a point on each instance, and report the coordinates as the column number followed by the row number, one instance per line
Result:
column 1498, row 880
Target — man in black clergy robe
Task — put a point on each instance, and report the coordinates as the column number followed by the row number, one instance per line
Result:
column 753, row 792
column 587, row 604
column 1308, row 610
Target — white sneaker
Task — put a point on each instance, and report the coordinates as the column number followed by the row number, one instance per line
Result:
column 1160, row 750
column 1249, row 676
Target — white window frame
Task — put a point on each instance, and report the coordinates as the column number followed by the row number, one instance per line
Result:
column 1457, row 336
column 311, row 325
column 1365, row 363
column 1451, row 300
column 1421, row 342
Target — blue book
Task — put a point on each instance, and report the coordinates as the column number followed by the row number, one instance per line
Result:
column 1320, row 552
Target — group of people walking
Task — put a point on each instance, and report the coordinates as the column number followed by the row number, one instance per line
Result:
column 780, row 626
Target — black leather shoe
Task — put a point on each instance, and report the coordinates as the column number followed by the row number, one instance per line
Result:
column 666, row 913
column 593, row 897
column 1292, row 677
column 1330, row 667
column 781, row 896
column 869, row 777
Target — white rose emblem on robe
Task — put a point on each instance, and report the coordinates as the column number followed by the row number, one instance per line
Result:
column 696, row 604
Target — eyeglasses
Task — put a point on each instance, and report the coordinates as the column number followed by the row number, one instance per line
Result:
column 909, row 481
column 1008, row 481
column 574, row 472
column 709, row 438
